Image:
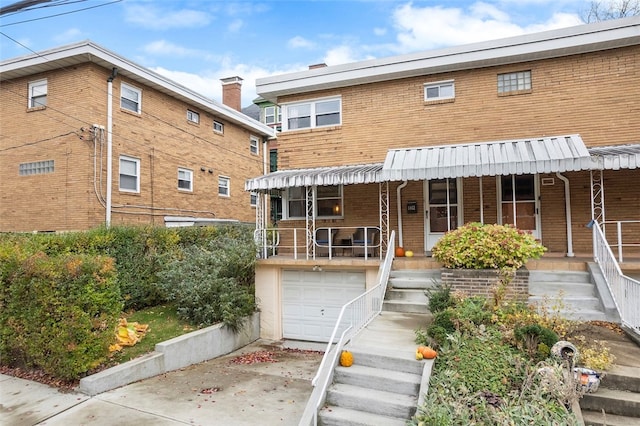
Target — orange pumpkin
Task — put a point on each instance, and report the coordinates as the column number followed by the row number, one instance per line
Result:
column 399, row 252
column 427, row 352
column 346, row 359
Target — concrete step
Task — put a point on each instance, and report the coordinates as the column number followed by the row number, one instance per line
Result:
column 372, row 401
column 402, row 306
column 592, row 418
column 407, row 295
column 413, row 278
column 622, row 377
column 620, row 403
column 378, row 359
column 567, row 303
column 556, row 289
column 559, row 276
column 339, row 416
column 377, row 378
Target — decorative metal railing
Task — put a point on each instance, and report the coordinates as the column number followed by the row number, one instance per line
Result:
column 621, row 234
column 624, row 290
column 353, row 318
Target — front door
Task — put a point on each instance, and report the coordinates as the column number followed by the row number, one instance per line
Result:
column 443, row 209
column 523, row 213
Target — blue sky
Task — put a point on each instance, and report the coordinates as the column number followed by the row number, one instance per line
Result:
column 197, row 42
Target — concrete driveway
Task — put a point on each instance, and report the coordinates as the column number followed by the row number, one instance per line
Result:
column 242, row 388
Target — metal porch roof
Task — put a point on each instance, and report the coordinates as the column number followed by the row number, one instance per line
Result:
column 340, row 175
column 617, row 157
column 518, row 156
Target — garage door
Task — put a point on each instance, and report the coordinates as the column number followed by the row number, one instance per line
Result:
column 311, row 301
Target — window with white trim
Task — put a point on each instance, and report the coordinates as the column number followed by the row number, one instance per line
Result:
column 130, row 98
column 193, row 116
column 514, row 82
column 38, row 93
column 272, row 115
column 254, row 199
column 129, row 174
column 254, row 145
column 36, row 168
column 439, row 90
column 218, row 127
column 224, row 184
column 318, row 113
column 329, row 202
column 185, row 179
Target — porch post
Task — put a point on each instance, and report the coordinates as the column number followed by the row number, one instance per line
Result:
column 261, row 234
column 597, row 196
column 383, row 192
column 310, row 221
column 481, row 202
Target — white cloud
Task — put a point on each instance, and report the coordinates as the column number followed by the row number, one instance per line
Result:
column 151, row 17
column 72, row 34
column 300, row 42
column 379, row 31
column 165, row 48
column 343, row 55
column 235, row 25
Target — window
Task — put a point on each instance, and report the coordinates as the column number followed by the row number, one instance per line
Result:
column 254, row 145
column 272, row 115
column 254, row 199
column 193, row 116
column 514, row 82
column 130, row 98
column 129, row 174
column 36, row 168
column 218, row 127
column 328, row 202
column 185, row 179
column 324, row 112
column 273, row 160
column 439, row 90
column 38, row 93
column 223, row 186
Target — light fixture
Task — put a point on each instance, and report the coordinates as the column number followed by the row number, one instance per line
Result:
column 317, row 268
column 336, row 208
column 202, row 169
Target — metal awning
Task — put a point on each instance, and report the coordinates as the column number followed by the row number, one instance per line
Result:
column 339, row 175
column 617, row 157
column 518, row 156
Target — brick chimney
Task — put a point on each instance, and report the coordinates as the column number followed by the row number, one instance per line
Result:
column 232, row 92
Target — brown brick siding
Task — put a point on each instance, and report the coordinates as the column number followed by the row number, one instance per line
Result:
column 160, row 137
column 481, row 282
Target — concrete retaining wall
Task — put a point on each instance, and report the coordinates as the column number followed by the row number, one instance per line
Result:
column 192, row 348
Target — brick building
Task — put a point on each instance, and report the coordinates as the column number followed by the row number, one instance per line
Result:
column 540, row 130
column 74, row 116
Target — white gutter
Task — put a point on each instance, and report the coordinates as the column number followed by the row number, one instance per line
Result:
column 567, row 202
column 399, row 202
column 114, row 73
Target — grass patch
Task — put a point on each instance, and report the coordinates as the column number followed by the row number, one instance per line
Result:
column 164, row 324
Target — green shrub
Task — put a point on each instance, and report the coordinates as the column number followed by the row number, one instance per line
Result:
column 57, row 313
column 536, row 339
column 439, row 297
column 441, row 326
column 478, row 246
column 213, row 283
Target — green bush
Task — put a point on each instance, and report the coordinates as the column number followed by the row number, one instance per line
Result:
column 439, row 297
column 479, row 246
column 214, row 283
column 536, row 339
column 56, row 313
column 441, row 326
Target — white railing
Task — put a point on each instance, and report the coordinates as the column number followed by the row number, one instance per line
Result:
column 353, row 318
column 329, row 242
column 624, row 290
column 621, row 236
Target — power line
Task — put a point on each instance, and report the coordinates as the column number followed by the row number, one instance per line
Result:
column 61, row 14
column 40, row 141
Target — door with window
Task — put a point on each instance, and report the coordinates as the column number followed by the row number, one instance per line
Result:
column 443, row 209
column 519, row 204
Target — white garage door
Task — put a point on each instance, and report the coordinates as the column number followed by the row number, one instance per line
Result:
column 311, row 301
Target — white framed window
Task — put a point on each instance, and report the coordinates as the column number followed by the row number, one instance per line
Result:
column 254, row 199
column 317, row 113
column 36, row 168
column 272, row 115
column 254, row 145
column 224, row 186
column 130, row 98
column 129, row 174
column 218, row 127
column 439, row 90
column 193, row 116
column 185, row 179
column 38, row 93
column 329, row 202
column 514, row 81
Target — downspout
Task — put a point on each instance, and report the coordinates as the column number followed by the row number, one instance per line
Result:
column 567, row 203
column 114, row 73
column 399, row 202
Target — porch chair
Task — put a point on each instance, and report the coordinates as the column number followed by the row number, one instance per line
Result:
column 373, row 242
column 322, row 241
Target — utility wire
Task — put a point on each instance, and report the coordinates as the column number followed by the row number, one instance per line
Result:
column 60, row 14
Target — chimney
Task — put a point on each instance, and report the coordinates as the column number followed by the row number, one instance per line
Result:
column 316, row 66
column 232, row 92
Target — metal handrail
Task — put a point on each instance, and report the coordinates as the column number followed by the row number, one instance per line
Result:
column 363, row 309
column 624, row 290
column 620, row 244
